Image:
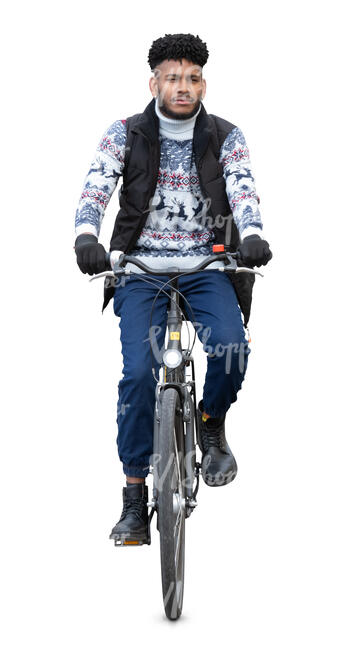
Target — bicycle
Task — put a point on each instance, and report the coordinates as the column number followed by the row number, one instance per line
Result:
column 173, row 462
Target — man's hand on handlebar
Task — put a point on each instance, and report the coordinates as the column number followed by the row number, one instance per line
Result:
column 255, row 251
column 91, row 256
column 93, row 259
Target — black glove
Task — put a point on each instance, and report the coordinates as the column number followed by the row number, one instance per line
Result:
column 90, row 255
column 255, row 251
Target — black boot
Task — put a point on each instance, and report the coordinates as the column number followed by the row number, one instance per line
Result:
column 219, row 466
column 132, row 527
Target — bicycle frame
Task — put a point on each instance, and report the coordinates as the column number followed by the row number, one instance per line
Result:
column 175, row 374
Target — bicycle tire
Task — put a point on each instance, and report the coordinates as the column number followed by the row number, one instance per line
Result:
column 170, row 482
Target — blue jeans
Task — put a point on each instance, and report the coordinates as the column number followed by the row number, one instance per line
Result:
column 218, row 323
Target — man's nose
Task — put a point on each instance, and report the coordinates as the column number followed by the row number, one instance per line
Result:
column 183, row 85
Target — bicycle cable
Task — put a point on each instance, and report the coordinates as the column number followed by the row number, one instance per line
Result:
column 179, row 292
column 152, row 282
column 181, row 311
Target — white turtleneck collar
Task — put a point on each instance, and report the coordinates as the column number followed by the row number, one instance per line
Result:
column 175, row 129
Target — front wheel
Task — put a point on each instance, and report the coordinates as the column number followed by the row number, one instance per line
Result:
column 169, row 480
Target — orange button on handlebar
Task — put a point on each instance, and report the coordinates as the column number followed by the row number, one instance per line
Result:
column 218, row 248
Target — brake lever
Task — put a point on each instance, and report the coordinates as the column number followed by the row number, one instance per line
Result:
column 104, row 274
column 245, row 269
column 233, row 265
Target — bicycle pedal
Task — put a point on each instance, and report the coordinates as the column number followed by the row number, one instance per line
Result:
column 123, row 541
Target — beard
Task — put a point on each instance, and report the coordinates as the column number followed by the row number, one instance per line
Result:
column 169, row 112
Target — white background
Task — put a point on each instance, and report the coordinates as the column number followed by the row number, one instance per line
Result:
column 266, row 556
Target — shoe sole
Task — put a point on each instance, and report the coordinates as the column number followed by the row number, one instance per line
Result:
column 218, row 480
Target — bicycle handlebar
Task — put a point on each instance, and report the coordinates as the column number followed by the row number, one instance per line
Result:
column 124, row 259
column 118, row 268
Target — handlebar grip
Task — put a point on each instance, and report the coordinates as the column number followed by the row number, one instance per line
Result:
column 238, row 258
column 107, row 260
column 240, row 261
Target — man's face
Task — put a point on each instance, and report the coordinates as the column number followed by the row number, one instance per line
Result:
column 179, row 88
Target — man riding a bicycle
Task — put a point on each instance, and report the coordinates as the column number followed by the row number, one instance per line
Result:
column 187, row 186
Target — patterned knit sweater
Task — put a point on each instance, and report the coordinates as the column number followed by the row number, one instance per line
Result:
column 177, row 230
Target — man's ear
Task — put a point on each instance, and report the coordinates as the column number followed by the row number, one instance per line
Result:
column 153, row 86
column 204, row 84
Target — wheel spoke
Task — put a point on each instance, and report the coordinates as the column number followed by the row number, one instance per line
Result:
column 178, row 537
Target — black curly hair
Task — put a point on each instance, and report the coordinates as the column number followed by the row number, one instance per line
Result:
column 177, row 47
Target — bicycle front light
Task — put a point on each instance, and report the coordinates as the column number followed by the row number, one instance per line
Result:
column 172, row 358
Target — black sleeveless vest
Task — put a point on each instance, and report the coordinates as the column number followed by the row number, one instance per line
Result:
column 140, row 174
